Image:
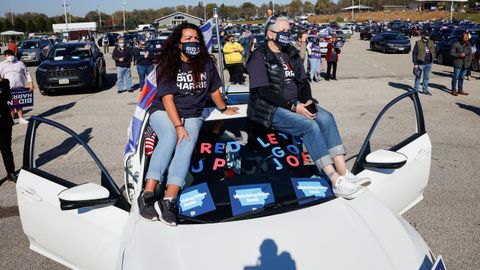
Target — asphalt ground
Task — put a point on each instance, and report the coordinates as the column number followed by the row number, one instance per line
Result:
column 448, row 218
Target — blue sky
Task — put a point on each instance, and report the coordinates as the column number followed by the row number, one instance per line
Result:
column 81, row 7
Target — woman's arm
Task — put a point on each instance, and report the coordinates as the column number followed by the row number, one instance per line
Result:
column 220, row 103
column 172, row 112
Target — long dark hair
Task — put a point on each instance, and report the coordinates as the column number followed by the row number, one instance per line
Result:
column 169, row 60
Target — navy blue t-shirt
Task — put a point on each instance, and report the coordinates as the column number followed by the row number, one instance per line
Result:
column 189, row 97
column 256, row 66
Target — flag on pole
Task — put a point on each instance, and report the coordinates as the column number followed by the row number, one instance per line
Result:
column 207, row 31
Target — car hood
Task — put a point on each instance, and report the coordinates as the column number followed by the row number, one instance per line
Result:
column 340, row 234
column 49, row 64
column 28, row 50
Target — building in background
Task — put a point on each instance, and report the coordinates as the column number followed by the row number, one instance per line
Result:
column 177, row 18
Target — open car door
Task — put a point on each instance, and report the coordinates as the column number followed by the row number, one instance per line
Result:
column 66, row 214
column 398, row 163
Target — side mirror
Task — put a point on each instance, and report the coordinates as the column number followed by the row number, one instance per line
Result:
column 85, row 195
column 385, row 159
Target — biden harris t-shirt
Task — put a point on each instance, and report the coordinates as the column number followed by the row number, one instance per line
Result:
column 189, row 95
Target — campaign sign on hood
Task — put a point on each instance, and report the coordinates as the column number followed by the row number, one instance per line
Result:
column 306, row 187
column 195, row 200
column 247, row 198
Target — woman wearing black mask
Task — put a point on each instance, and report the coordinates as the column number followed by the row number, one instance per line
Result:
column 186, row 73
column 281, row 98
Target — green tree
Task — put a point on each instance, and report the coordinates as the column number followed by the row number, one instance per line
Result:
column 30, row 27
column 324, row 6
column 19, row 24
column 308, row 7
column 42, row 24
column 295, row 8
column 181, row 8
column 7, row 25
column 248, row 10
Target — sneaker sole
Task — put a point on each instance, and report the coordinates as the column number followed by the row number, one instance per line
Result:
column 159, row 212
column 352, row 195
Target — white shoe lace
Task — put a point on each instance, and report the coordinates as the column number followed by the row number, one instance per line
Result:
column 350, row 177
column 343, row 187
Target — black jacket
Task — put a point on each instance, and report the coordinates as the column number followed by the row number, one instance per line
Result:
column 127, row 55
column 5, row 96
column 140, row 59
column 265, row 100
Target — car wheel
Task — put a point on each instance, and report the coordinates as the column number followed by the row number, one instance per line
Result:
column 440, row 59
column 384, row 50
column 99, row 81
column 475, row 65
column 371, row 47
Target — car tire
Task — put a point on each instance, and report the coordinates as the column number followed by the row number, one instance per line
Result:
column 440, row 59
column 475, row 65
column 99, row 82
column 371, row 47
column 384, row 50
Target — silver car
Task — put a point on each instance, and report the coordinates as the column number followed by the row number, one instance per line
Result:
column 33, row 50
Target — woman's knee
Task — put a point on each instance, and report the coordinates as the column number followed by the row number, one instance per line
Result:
column 324, row 117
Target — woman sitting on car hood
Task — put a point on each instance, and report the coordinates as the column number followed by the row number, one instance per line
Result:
column 281, row 98
column 185, row 75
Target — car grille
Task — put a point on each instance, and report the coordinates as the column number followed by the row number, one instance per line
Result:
column 63, row 73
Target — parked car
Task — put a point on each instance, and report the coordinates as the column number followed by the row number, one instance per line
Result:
column 390, row 42
column 71, row 65
column 290, row 214
column 367, row 33
column 154, row 45
column 443, row 55
column 347, row 30
column 33, row 50
column 164, row 34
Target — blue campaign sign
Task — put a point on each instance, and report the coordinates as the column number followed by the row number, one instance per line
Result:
column 247, row 198
column 21, row 97
column 306, row 187
column 195, row 200
column 439, row 265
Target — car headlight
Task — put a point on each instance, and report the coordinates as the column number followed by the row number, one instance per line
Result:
column 84, row 67
column 41, row 69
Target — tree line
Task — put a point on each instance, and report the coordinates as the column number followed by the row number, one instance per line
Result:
column 38, row 22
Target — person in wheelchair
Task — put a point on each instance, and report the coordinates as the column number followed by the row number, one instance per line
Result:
column 186, row 74
column 280, row 98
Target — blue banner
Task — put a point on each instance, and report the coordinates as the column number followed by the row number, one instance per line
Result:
column 21, row 97
column 195, row 200
column 306, row 187
column 247, row 198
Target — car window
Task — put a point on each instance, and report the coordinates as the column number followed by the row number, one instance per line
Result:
column 28, row 45
column 70, row 52
column 237, row 152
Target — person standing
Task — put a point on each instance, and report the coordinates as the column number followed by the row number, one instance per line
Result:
column 332, row 60
column 123, row 59
column 6, row 123
column 13, row 47
column 301, row 44
column 462, row 59
column 144, row 59
column 314, row 58
column 19, row 77
column 186, row 77
column 234, row 60
column 422, row 56
column 105, row 43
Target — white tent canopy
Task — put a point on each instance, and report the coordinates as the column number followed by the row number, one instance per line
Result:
column 11, row 33
column 358, row 7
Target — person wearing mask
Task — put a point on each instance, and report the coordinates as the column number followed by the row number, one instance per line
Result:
column 105, row 43
column 234, row 60
column 422, row 56
column 314, row 58
column 301, row 43
column 461, row 53
column 6, row 123
column 281, row 98
column 186, row 75
column 122, row 55
column 19, row 77
column 332, row 59
column 144, row 59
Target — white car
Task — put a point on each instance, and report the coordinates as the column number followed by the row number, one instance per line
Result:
column 347, row 30
column 253, row 200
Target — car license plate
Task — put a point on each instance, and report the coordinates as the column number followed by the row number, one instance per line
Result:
column 401, row 49
column 64, row 81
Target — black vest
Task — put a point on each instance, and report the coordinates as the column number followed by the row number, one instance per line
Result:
column 261, row 111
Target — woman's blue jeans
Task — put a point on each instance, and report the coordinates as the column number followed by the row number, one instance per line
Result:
column 166, row 147
column 320, row 136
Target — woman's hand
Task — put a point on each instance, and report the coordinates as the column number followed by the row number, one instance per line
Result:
column 231, row 111
column 181, row 134
column 303, row 111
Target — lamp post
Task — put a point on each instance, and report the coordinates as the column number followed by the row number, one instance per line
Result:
column 66, row 18
column 123, row 7
column 353, row 18
column 220, row 55
column 11, row 15
column 99, row 16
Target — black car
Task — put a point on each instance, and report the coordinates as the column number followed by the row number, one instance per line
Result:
column 71, row 65
column 367, row 33
column 390, row 42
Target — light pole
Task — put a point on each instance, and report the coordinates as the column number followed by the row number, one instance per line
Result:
column 66, row 19
column 11, row 15
column 353, row 18
column 123, row 6
column 99, row 16
column 220, row 54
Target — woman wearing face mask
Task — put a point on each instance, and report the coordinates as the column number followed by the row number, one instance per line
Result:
column 234, row 60
column 281, row 98
column 186, row 74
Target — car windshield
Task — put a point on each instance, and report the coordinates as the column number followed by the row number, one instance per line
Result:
column 28, row 45
column 394, row 37
column 71, row 52
column 236, row 153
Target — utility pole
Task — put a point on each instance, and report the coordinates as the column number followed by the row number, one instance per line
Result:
column 353, row 18
column 99, row 16
column 11, row 15
column 66, row 19
column 220, row 54
column 69, row 11
column 123, row 5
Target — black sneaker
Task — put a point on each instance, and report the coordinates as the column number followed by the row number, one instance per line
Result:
column 145, row 205
column 167, row 211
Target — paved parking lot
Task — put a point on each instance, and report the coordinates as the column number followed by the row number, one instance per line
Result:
column 448, row 218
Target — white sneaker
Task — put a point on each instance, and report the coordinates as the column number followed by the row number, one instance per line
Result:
column 23, row 121
column 352, row 178
column 347, row 190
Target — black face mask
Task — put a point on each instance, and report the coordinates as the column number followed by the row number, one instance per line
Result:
column 191, row 49
column 283, row 39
